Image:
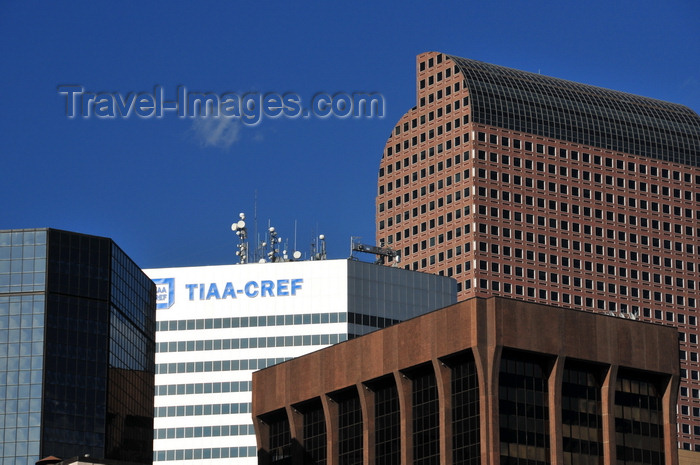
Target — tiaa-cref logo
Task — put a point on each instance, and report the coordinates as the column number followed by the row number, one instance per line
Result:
column 165, row 292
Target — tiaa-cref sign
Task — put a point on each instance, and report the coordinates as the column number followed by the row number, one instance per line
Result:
column 251, row 289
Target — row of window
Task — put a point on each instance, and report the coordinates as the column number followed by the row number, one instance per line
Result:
column 249, row 343
column 447, row 145
column 694, row 374
column 446, row 164
column 648, row 242
column 206, row 453
column 519, row 180
column 563, row 225
column 597, row 178
column 201, row 409
column 685, row 410
column 608, row 216
column 600, row 286
column 446, row 92
column 598, row 160
column 203, row 388
column 425, row 225
column 217, row 365
column 438, row 130
column 434, row 96
column 203, row 431
column 552, row 205
column 599, row 250
column 567, row 244
column 577, row 281
column 529, row 164
column 427, row 189
column 253, row 321
column 508, row 287
column 438, row 76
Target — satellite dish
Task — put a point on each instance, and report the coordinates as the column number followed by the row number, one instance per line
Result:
column 322, row 236
column 262, row 260
column 272, row 229
column 234, row 226
column 296, row 255
column 241, row 216
column 241, row 224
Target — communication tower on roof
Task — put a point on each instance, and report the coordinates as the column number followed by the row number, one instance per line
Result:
column 241, row 231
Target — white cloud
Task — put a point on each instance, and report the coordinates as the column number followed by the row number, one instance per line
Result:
column 216, row 131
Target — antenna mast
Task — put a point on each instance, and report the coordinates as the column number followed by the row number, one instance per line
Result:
column 242, row 232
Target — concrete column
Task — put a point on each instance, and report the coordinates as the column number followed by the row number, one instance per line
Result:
column 262, row 435
column 296, row 432
column 404, row 386
column 670, row 397
column 330, row 411
column 488, row 360
column 554, row 390
column 443, row 379
column 367, row 406
column 608, row 404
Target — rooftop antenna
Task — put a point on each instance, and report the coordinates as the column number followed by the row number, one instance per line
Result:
column 322, row 254
column 255, row 225
column 241, row 231
column 273, row 254
column 313, row 249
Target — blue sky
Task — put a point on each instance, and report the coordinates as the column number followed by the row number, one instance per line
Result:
column 167, row 189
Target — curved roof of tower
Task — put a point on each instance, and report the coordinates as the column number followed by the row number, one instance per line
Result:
column 579, row 113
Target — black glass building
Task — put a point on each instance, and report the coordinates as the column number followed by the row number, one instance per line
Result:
column 77, row 347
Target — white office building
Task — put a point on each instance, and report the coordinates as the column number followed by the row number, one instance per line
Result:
column 218, row 324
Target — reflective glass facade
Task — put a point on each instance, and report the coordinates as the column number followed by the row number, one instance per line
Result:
column 280, row 439
column 314, row 434
column 387, row 439
column 77, row 347
column 349, row 428
column 639, row 427
column 582, row 414
column 579, row 113
column 523, row 409
column 426, row 416
column 465, row 412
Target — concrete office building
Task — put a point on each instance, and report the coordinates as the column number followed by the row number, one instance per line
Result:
column 77, row 343
column 526, row 186
column 218, row 324
column 489, row 382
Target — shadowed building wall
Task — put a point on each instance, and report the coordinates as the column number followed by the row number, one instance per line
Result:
column 485, row 381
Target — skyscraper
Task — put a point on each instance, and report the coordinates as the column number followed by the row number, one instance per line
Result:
column 77, row 345
column 216, row 325
column 491, row 381
column 541, row 189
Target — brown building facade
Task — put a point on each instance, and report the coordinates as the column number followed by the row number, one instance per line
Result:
column 535, row 188
column 482, row 382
